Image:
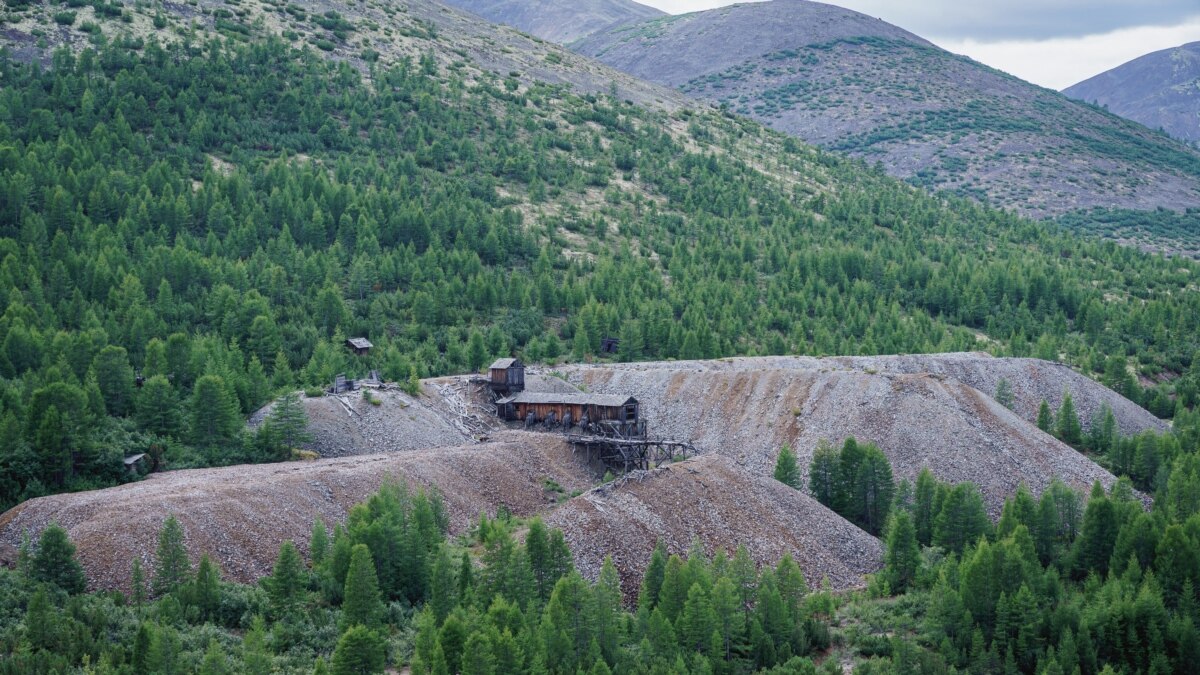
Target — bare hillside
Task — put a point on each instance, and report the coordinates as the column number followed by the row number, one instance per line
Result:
column 240, row 515
column 747, row 408
column 712, row 500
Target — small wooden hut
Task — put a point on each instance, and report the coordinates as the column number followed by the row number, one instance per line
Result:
column 507, row 376
column 360, row 346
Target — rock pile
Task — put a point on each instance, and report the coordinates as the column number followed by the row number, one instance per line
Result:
column 721, row 505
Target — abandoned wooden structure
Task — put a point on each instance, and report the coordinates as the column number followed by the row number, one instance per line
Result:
column 610, row 345
column 360, row 346
column 341, row 384
column 621, row 453
column 568, row 410
column 506, row 376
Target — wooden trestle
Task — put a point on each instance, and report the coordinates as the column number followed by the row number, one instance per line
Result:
column 629, row 454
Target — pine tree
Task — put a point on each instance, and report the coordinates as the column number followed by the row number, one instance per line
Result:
column 171, row 565
column 924, row 511
column 360, row 651
column 1067, row 426
column 962, row 519
column 318, row 543
column 157, row 408
column 286, row 584
column 361, row 605
column 903, row 557
column 289, row 420
column 786, row 470
column 215, row 420
column 1045, row 418
column 115, row 377
column 41, row 626
column 214, row 660
column 652, row 580
column 138, row 576
column 823, row 473
column 1004, row 393
column 204, row 591
column 55, row 563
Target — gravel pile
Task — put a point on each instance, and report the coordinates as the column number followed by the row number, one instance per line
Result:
column 747, row 408
column 714, row 501
column 240, row 515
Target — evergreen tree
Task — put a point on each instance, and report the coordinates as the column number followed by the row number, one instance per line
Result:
column 215, row 421
column 1098, row 535
column 55, row 563
column 360, row 651
column 902, row 559
column 204, row 590
column 361, row 605
column 287, row 581
column 1004, row 393
column 318, row 543
column 289, row 420
column 1045, row 418
column 41, row 626
column 823, row 473
column 115, row 378
column 214, row 660
column 1067, row 422
column 962, row 519
column 171, row 565
column 924, row 511
column 652, row 579
column 786, row 470
column 157, row 408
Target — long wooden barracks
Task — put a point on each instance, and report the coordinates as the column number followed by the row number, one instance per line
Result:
column 568, row 409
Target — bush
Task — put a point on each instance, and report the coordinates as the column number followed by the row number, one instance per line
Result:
column 64, row 18
column 314, row 392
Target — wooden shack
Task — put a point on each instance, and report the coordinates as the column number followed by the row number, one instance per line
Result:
column 507, row 376
column 360, row 346
column 555, row 408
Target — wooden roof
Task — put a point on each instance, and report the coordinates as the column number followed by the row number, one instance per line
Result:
column 359, row 343
column 504, row 364
column 604, row 400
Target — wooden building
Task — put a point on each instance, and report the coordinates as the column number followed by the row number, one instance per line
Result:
column 507, row 376
column 360, row 346
column 571, row 409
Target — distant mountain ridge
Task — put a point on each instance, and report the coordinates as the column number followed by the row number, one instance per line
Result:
column 559, row 21
column 1160, row 90
column 856, row 84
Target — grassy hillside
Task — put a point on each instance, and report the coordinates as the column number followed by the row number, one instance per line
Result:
column 220, row 217
column 857, row 85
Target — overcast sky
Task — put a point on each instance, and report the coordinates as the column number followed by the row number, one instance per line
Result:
column 1054, row 43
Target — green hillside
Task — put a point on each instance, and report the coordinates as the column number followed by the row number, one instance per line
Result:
column 222, row 217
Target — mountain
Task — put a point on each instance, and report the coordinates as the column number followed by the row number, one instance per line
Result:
column 1160, row 90
column 561, row 21
column 855, row 84
column 454, row 192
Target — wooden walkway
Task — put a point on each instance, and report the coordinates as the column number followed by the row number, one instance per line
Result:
column 630, row 454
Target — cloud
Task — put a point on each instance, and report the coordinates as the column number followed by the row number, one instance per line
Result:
column 1061, row 62
column 991, row 21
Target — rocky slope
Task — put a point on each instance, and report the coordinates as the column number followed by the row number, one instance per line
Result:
column 712, row 500
column 355, row 32
column 853, row 83
column 240, row 515
column 912, row 407
column 1160, row 90
column 559, row 21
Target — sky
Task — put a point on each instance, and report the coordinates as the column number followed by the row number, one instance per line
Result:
column 1054, row 43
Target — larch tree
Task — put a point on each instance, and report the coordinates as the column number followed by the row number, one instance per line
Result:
column 787, row 471
column 361, row 605
column 171, row 565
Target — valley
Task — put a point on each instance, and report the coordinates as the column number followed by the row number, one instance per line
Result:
column 936, row 373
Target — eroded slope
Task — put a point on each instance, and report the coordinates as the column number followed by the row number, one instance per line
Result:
column 747, row 408
column 714, row 501
column 240, row 515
